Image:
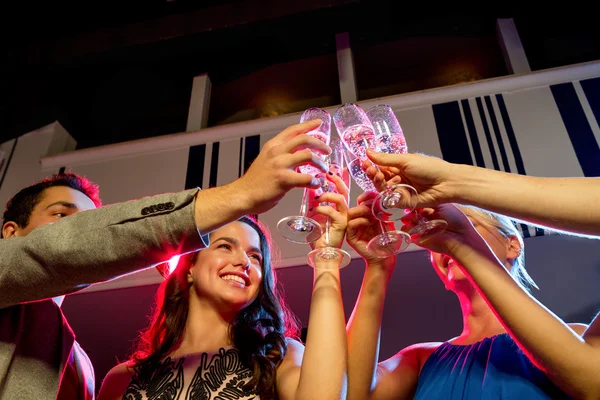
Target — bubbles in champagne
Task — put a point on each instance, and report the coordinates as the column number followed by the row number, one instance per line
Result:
column 360, row 176
column 359, row 138
column 393, row 143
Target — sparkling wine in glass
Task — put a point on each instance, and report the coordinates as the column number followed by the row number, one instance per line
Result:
column 397, row 201
column 300, row 228
column 335, row 162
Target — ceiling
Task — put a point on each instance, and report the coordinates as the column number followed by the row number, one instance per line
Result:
column 73, row 61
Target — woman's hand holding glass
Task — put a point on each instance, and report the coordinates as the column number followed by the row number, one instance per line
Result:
column 459, row 231
column 363, row 227
column 433, row 178
column 330, row 210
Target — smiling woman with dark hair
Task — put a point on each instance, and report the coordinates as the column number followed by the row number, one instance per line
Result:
column 220, row 328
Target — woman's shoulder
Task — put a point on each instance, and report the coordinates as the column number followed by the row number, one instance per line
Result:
column 413, row 356
column 116, row 381
column 294, row 344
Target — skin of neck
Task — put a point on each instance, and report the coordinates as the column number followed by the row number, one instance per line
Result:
column 206, row 327
column 479, row 321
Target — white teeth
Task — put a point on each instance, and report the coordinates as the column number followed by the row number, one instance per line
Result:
column 234, row 278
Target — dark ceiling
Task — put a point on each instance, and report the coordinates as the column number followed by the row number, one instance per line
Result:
column 93, row 65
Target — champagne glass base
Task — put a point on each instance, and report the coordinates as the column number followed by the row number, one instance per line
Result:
column 299, row 229
column 395, row 202
column 388, row 244
column 325, row 254
column 427, row 229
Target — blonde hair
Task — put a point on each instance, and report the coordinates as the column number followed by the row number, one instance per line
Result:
column 506, row 228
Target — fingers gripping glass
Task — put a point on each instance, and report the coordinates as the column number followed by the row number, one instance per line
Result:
column 300, row 228
column 328, row 255
column 397, row 201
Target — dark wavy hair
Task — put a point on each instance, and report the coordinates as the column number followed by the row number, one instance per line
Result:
column 258, row 332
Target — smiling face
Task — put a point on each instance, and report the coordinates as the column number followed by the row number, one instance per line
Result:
column 228, row 273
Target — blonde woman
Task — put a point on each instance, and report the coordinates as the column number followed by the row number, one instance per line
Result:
column 510, row 347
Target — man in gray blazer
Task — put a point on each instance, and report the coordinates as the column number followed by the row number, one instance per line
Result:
column 44, row 255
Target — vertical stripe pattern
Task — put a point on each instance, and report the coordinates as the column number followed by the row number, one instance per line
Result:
column 591, row 88
column 214, row 165
column 251, row 150
column 451, row 133
column 195, row 167
column 454, row 127
column 578, row 127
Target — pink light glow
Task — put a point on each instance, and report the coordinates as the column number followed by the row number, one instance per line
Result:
column 173, row 263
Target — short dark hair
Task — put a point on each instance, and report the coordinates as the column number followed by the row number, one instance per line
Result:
column 21, row 205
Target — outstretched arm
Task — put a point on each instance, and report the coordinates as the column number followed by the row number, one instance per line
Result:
column 101, row 244
column 319, row 371
column 395, row 378
column 564, row 204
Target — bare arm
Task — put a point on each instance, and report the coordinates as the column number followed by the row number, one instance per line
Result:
column 570, row 361
column 565, row 204
column 319, row 371
column 397, row 377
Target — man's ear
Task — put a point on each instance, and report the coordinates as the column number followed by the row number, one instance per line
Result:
column 10, row 229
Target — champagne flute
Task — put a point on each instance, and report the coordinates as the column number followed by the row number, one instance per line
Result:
column 335, row 162
column 353, row 124
column 300, row 228
column 397, row 201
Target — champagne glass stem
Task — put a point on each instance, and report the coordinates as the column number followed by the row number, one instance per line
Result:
column 304, row 205
column 383, row 231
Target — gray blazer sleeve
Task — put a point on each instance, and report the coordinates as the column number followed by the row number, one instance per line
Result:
column 97, row 245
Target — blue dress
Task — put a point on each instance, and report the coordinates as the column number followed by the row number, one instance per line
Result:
column 494, row 368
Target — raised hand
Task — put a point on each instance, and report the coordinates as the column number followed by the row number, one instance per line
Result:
column 459, row 232
column 338, row 213
column 430, row 176
column 273, row 173
column 363, row 226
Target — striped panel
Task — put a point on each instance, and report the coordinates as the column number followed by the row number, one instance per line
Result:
column 512, row 139
column 228, row 166
column 195, row 167
column 251, row 149
column 451, row 133
column 578, row 127
column 491, row 139
column 497, row 135
column 488, row 136
column 544, row 143
column 591, row 88
column 478, row 155
column 214, row 165
column 587, row 92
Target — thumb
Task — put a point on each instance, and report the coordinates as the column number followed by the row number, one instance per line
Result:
column 388, row 160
